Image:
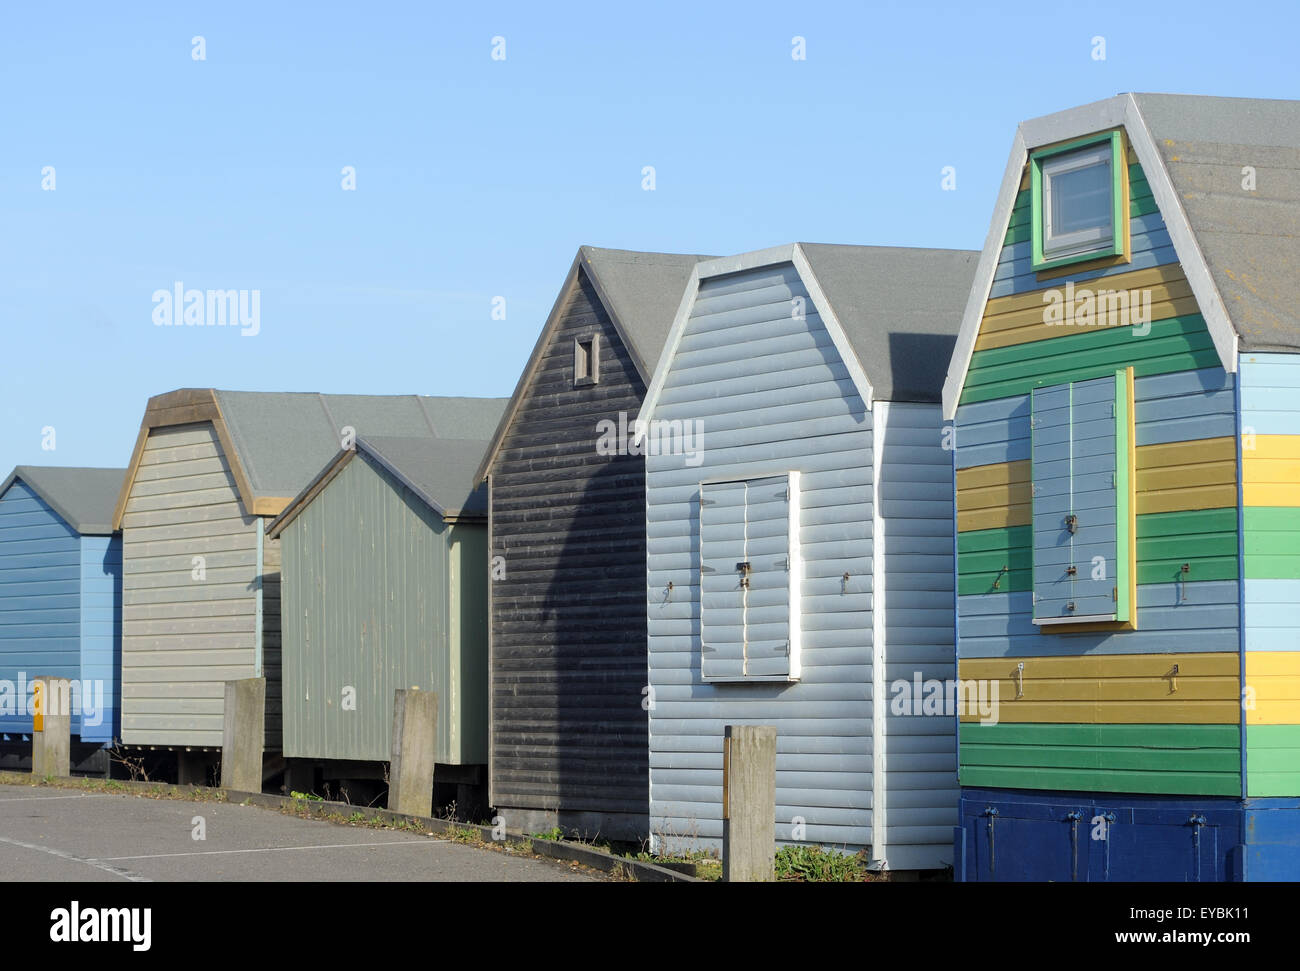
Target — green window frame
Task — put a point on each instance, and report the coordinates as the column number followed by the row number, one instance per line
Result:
column 1040, row 164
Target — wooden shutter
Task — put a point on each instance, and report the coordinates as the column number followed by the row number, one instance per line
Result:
column 749, row 579
column 1083, row 544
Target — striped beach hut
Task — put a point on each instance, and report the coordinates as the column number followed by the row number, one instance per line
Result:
column 1126, row 399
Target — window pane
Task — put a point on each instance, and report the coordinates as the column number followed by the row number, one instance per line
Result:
column 1081, row 199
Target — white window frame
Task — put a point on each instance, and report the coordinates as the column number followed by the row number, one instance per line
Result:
column 1059, row 246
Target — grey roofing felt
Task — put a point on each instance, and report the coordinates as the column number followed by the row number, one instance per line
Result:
column 441, row 470
column 643, row 290
column 901, row 309
column 1250, row 238
column 283, row 439
column 83, row 497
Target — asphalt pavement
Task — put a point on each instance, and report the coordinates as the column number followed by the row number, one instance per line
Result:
column 60, row 834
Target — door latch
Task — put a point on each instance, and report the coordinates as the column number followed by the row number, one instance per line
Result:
column 744, row 569
column 1072, row 523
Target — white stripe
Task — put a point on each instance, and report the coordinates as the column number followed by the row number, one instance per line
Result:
column 273, row 849
column 97, row 864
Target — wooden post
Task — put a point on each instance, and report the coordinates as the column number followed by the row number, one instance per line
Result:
column 243, row 735
column 749, row 804
column 414, row 750
column 52, row 727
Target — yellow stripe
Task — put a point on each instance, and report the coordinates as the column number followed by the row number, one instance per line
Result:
column 993, row 496
column 1024, row 326
column 1112, row 689
column 1271, row 470
column 1172, row 477
column 1019, row 318
column 1272, row 688
column 1178, row 476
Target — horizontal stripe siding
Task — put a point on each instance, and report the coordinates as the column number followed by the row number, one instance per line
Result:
column 1124, row 300
column 1172, row 617
column 1270, row 393
column 1181, row 343
column 1271, row 614
column 1168, row 759
column 1271, row 470
column 1273, row 760
column 1112, row 689
column 1171, row 477
column 1272, row 688
column 1205, row 540
column 101, row 634
column 1173, row 407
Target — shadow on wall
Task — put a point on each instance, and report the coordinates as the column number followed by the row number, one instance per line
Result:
column 918, row 362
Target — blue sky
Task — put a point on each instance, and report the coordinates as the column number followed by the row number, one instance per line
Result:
column 478, row 178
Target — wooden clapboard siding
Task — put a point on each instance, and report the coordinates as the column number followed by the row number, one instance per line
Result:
column 1180, row 343
column 1270, row 452
column 1114, row 689
column 40, row 597
column 748, row 403
column 367, row 585
column 1171, row 477
column 1199, row 759
column 1175, row 407
column 1273, row 686
column 272, row 654
column 1023, row 318
column 1271, row 470
column 1272, row 760
column 912, row 533
column 568, row 618
column 1172, row 617
column 183, row 638
column 101, row 634
column 1204, row 539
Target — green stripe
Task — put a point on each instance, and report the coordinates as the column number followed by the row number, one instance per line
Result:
column 1175, row 344
column 1205, row 539
column 1273, row 760
column 1170, row 759
column 1272, row 542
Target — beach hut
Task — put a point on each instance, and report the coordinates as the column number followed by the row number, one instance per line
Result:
column 567, row 541
column 384, row 575
column 201, row 580
column 1126, row 399
column 799, row 543
column 60, row 604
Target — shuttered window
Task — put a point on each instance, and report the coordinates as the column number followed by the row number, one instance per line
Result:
column 749, row 579
column 1082, row 435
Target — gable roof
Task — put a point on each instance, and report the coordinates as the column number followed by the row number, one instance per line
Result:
column 640, row 291
column 1250, row 239
column 1231, row 242
column 83, row 497
column 276, row 442
column 892, row 312
column 439, row 471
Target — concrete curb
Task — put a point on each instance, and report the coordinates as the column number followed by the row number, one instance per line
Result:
column 562, row 851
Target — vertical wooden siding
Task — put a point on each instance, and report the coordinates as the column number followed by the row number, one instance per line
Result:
column 367, row 595
column 40, row 597
column 568, row 618
column 773, row 397
column 183, row 638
